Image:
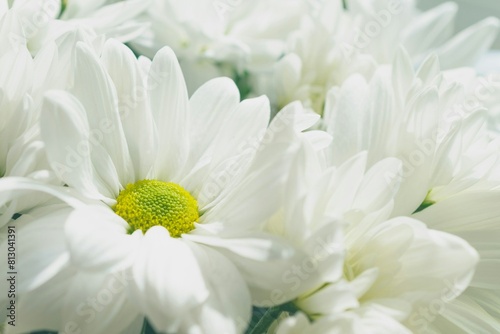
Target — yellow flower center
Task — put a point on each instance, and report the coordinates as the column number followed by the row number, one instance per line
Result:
column 149, row 203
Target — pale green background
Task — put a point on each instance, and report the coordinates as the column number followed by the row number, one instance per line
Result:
column 470, row 11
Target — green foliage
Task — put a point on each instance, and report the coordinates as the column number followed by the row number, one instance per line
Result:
column 263, row 318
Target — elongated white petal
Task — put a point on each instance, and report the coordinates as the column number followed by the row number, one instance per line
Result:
column 242, row 130
column 73, row 162
column 138, row 126
column 169, row 104
column 210, row 106
column 257, row 246
column 464, row 212
column 228, row 307
column 349, row 110
column 430, row 29
column 97, row 94
column 465, row 48
column 168, row 281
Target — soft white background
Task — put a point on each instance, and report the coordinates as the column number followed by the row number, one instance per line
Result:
column 470, row 11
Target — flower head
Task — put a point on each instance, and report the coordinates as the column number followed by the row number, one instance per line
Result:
column 159, row 197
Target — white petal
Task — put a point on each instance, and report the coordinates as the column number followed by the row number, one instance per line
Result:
column 98, row 303
column 261, row 189
column 256, row 246
column 242, row 130
column 95, row 90
column 469, row 45
column 429, row 69
column 423, row 262
column 464, row 212
column 37, row 260
column 210, row 106
column 297, row 324
column 327, row 249
column 138, row 127
column 169, row 104
column 116, row 19
column 379, row 185
column 332, row 299
column 168, row 282
column 464, row 314
column 10, row 187
column 402, row 74
column 430, row 29
column 270, row 268
column 11, row 30
column 228, row 307
column 97, row 240
column 64, row 117
column 42, row 308
column 352, row 172
column 345, row 118
column 28, row 161
column 300, row 118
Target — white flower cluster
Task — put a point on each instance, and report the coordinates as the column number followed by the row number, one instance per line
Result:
column 237, row 166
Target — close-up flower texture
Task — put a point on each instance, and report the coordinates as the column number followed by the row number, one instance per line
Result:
column 249, row 167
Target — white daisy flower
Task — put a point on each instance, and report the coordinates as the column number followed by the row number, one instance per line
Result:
column 372, row 267
column 463, row 200
column 23, row 81
column 382, row 26
column 414, row 117
column 44, row 21
column 334, row 43
column 450, row 175
column 314, row 62
column 181, row 189
column 223, row 37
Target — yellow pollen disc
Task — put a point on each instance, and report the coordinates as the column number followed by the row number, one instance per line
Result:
column 149, row 203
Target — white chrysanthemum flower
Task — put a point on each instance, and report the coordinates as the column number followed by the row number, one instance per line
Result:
column 222, row 37
column 382, row 26
column 313, row 64
column 182, row 188
column 365, row 265
column 450, row 177
column 414, row 117
column 463, row 199
column 23, row 81
column 44, row 21
column 333, row 43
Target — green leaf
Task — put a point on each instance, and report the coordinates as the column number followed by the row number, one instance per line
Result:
column 263, row 318
column 147, row 328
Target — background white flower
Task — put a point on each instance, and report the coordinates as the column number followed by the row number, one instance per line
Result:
column 449, row 160
column 391, row 267
column 333, row 43
column 44, row 21
column 382, row 26
column 235, row 38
